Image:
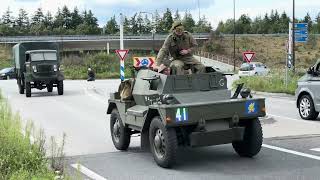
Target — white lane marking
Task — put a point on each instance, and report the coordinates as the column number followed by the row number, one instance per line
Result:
column 315, row 149
column 297, row 120
column 292, row 152
column 87, row 172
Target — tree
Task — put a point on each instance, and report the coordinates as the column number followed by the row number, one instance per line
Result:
column 111, row 26
column 307, row 19
column 38, row 17
column 177, row 16
column 284, row 23
column 48, row 20
column 167, row 20
column 243, row 24
column 22, row 20
column 134, row 25
column 158, row 21
column 76, row 19
column 203, row 26
column 188, row 22
column 148, row 26
column 7, row 19
column 126, row 26
column 140, row 24
column 66, row 15
column 58, row 20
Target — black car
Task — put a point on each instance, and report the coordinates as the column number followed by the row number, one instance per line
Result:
column 7, row 73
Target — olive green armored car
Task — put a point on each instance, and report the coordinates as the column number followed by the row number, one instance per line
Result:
column 185, row 110
column 37, row 65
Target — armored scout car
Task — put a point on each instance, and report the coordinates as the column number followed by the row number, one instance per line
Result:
column 37, row 66
column 185, row 110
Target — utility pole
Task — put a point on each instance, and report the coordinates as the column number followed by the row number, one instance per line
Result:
column 234, row 35
column 293, row 39
column 199, row 24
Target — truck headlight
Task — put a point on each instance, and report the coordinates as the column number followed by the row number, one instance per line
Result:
column 34, row 68
column 55, row 68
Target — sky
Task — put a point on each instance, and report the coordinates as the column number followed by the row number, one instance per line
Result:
column 214, row 10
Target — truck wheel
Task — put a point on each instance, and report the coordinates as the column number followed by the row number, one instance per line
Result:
column 163, row 143
column 28, row 89
column 60, row 87
column 252, row 139
column 120, row 134
column 306, row 108
column 49, row 87
column 20, row 86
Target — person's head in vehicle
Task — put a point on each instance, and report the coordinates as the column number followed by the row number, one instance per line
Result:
column 180, row 46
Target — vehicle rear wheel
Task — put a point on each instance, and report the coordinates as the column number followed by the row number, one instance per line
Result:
column 252, row 138
column 306, row 108
column 60, row 87
column 163, row 143
column 49, row 87
column 119, row 133
column 28, row 89
column 20, row 86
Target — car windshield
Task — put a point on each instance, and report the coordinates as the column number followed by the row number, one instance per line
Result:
column 246, row 67
column 48, row 56
column 5, row 70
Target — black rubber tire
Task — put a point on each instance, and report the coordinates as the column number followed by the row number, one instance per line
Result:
column 125, row 135
column 313, row 113
column 252, row 138
column 49, row 87
column 171, row 143
column 20, row 86
column 60, row 87
column 28, row 89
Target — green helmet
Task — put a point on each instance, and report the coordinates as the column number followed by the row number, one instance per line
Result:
column 176, row 24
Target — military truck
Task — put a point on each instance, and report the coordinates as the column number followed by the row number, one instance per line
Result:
column 185, row 110
column 37, row 65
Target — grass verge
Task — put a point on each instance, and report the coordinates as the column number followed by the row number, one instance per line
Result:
column 19, row 157
column 273, row 83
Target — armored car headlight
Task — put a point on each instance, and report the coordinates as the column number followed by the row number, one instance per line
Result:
column 34, row 68
column 55, row 68
column 168, row 99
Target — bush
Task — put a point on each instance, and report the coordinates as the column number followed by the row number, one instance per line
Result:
column 20, row 158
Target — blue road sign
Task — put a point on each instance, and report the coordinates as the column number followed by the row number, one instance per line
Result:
column 301, row 32
column 301, row 39
column 301, row 25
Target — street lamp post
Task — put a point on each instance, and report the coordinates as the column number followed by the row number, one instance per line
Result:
column 234, row 36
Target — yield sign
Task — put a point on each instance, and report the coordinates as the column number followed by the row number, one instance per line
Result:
column 248, row 56
column 143, row 61
column 122, row 53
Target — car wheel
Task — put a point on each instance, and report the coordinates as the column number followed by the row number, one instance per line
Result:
column 119, row 133
column 60, row 87
column 163, row 143
column 251, row 143
column 20, row 86
column 306, row 108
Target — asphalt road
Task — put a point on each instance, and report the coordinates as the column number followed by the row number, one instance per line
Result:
column 291, row 145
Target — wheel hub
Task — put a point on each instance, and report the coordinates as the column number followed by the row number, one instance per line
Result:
column 157, row 141
column 159, row 144
column 305, row 107
column 116, row 131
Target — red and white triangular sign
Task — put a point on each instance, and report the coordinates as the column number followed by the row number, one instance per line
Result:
column 248, row 56
column 122, row 53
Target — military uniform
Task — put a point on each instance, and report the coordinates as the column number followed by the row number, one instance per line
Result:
column 173, row 45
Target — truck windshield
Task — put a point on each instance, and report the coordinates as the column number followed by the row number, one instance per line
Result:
column 46, row 56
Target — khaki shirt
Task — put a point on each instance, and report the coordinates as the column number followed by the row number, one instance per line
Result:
column 173, row 45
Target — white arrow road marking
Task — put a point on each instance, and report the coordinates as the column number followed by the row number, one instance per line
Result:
column 292, row 152
column 315, row 149
column 87, row 172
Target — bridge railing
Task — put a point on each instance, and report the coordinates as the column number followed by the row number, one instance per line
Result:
column 219, row 58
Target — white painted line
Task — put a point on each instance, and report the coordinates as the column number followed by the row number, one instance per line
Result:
column 315, row 149
column 292, row 152
column 87, row 172
column 297, row 120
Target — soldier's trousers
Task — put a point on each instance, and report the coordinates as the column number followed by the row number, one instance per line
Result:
column 178, row 65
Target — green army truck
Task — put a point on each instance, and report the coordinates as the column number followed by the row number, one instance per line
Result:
column 37, row 65
column 190, row 110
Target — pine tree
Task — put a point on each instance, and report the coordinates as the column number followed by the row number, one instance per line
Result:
column 22, row 20
column 7, row 19
column 111, row 26
column 48, row 20
column 126, row 26
column 307, row 19
column 76, row 19
column 188, row 22
column 66, row 17
column 177, row 16
column 38, row 17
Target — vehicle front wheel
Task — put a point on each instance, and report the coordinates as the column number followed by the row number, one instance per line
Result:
column 306, row 108
column 28, row 89
column 251, row 143
column 20, row 86
column 60, row 87
column 163, row 143
column 119, row 133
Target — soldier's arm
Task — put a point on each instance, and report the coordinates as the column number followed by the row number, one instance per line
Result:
column 193, row 44
column 164, row 51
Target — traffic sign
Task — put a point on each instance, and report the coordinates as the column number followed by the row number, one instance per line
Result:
column 301, row 32
column 248, row 56
column 143, row 61
column 122, row 53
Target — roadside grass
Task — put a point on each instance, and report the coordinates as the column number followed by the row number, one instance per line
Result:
column 273, row 83
column 22, row 150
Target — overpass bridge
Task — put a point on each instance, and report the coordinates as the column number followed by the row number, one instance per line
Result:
column 94, row 42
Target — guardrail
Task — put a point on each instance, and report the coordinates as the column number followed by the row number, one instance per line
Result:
column 55, row 38
column 219, row 58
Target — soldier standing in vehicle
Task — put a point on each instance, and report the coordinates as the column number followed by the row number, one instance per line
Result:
column 180, row 45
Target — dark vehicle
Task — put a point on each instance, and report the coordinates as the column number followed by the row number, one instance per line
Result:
column 7, row 73
column 37, row 65
column 184, row 110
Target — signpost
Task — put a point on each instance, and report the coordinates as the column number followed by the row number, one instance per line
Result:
column 248, row 56
column 143, row 61
column 301, row 32
column 122, row 53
